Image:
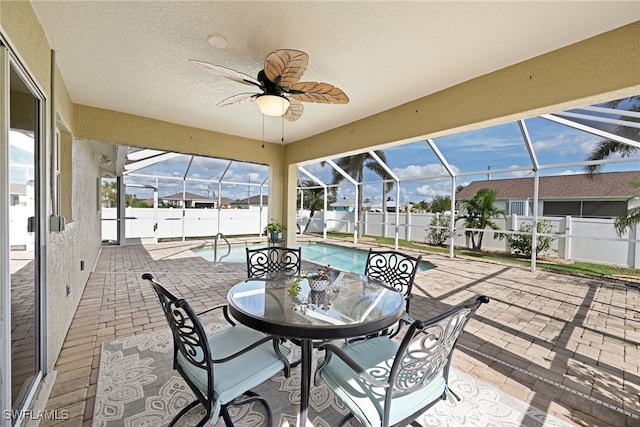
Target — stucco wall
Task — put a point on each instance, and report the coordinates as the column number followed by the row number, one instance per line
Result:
column 80, row 241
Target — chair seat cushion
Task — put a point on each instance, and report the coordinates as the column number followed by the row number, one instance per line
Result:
column 233, row 378
column 365, row 401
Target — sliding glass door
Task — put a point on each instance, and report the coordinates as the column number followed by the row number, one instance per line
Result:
column 21, row 242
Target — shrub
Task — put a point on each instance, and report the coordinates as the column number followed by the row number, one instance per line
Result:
column 438, row 231
column 521, row 243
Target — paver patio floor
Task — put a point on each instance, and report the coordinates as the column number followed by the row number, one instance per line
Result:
column 569, row 346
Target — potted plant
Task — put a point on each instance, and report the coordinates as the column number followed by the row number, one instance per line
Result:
column 318, row 279
column 274, row 230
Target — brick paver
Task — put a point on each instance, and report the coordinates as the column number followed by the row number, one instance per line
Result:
column 569, row 346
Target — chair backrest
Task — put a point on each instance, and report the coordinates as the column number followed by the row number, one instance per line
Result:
column 263, row 261
column 394, row 268
column 190, row 344
column 425, row 351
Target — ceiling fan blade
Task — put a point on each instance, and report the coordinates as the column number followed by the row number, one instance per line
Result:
column 286, row 64
column 236, row 76
column 294, row 111
column 239, row 99
column 318, row 92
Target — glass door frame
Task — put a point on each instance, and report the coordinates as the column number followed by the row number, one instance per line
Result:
column 10, row 61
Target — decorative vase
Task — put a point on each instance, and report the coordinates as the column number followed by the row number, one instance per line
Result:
column 276, row 236
column 317, row 298
column 318, row 285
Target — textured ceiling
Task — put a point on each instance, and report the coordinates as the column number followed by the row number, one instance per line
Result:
column 132, row 56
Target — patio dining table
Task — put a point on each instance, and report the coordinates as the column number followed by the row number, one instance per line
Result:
column 351, row 306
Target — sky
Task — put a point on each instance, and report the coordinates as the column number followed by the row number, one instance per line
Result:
column 477, row 155
column 473, row 155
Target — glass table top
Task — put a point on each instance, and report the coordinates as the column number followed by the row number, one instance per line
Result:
column 351, row 305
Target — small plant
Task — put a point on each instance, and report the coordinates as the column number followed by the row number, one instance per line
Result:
column 295, row 288
column 521, row 243
column 274, row 227
column 438, row 231
column 319, row 274
column 274, row 230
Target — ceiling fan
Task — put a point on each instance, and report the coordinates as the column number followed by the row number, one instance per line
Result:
column 282, row 93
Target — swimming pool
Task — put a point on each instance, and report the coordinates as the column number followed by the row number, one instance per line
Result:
column 339, row 257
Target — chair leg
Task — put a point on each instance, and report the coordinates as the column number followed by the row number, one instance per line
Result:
column 256, row 396
column 225, row 416
column 345, row 419
column 251, row 397
column 187, row 409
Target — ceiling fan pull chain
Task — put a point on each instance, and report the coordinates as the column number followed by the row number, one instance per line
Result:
column 282, row 132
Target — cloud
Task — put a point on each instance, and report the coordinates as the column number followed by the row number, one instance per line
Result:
column 574, row 145
column 417, row 171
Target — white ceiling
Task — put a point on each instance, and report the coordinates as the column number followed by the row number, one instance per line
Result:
column 132, row 56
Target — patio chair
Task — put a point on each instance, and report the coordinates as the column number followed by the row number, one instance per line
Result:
column 271, row 260
column 397, row 270
column 384, row 382
column 221, row 369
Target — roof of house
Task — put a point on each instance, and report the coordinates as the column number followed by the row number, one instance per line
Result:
column 253, row 200
column 347, row 203
column 189, row 196
column 17, row 188
column 613, row 185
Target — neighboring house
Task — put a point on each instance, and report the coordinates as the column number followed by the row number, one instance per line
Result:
column 190, row 201
column 225, row 203
column 17, row 194
column 350, row 206
column 391, row 207
column 251, row 201
column 606, row 195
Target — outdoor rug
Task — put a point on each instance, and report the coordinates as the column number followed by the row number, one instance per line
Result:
column 138, row 387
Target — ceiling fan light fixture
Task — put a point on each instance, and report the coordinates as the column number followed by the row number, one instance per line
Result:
column 273, row 105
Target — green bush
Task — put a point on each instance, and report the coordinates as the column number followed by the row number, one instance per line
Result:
column 521, row 243
column 438, row 236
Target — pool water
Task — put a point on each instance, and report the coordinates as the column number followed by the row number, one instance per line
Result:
column 339, row 257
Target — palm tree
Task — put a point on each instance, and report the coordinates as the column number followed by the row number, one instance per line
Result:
column 354, row 167
column 109, row 193
column 421, row 206
column 608, row 147
column 314, row 198
column 479, row 211
column 631, row 217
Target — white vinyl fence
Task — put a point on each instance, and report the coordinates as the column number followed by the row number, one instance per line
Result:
column 140, row 223
column 579, row 239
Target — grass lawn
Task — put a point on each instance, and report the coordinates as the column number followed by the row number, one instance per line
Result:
column 630, row 276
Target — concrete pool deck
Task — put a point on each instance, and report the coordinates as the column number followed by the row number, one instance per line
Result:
column 569, row 346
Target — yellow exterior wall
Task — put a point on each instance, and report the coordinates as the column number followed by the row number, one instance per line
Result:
column 20, row 23
column 127, row 129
